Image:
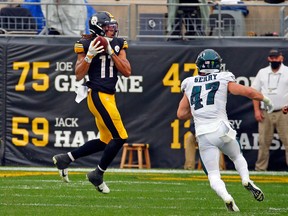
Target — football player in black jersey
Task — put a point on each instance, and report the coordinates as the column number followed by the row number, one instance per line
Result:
column 102, row 67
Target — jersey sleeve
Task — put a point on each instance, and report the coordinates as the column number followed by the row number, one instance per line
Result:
column 228, row 76
column 122, row 43
column 184, row 85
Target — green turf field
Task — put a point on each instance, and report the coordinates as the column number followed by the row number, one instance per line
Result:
column 40, row 192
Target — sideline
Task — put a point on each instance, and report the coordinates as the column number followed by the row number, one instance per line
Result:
column 118, row 170
column 151, row 174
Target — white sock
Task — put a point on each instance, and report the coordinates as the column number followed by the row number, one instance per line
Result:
column 71, row 156
column 101, row 169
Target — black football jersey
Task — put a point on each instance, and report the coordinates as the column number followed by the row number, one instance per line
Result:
column 102, row 71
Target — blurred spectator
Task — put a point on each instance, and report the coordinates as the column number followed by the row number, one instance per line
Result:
column 65, row 17
column 90, row 12
column 232, row 5
column 232, row 14
column 16, row 19
column 252, row 34
column 171, row 14
column 36, row 12
column 190, row 148
column 9, row 5
column 184, row 20
column 274, row 1
column 273, row 82
column 269, row 34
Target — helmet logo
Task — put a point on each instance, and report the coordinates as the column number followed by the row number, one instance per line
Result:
column 208, row 61
column 212, row 63
column 94, row 20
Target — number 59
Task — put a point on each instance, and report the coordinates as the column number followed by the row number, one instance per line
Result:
column 40, row 127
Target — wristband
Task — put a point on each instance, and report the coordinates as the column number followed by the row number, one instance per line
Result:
column 87, row 59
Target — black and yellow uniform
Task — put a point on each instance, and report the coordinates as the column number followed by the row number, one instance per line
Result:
column 103, row 76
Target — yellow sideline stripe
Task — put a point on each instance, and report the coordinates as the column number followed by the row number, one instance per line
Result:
column 262, row 179
column 226, row 178
column 156, row 177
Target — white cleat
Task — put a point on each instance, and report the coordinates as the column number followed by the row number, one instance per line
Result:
column 103, row 188
column 62, row 161
column 64, row 175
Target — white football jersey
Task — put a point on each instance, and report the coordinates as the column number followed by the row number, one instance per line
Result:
column 208, row 97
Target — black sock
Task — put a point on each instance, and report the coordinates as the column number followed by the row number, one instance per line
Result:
column 110, row 152
column 88, row 148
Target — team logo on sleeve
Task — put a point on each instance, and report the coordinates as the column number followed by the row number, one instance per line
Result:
column 117, row 48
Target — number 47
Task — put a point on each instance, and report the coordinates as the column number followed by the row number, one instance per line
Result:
column 172, row 76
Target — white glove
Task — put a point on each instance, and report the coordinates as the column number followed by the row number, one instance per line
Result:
column 93, row 50
column 109, row 49
column 268, row 104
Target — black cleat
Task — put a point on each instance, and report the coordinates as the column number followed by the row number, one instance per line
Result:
column 256, row 192
column 62, row 161
column 97, row 181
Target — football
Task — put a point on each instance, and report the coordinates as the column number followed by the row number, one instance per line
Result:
column 103, row 41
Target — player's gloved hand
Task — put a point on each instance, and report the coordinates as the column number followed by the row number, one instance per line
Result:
column 93, row 50
column 109, row 49
column 268, row 104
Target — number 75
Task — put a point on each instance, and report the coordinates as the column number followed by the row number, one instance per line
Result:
column 35, row 75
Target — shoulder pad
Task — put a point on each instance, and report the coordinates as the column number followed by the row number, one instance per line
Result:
column 184, row 84
column 78, row 47
column 227, row 76
column 125, row 44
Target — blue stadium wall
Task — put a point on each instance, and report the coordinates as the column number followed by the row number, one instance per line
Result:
column 39, row 117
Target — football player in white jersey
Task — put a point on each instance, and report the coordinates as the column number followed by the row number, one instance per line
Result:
column 204, row 99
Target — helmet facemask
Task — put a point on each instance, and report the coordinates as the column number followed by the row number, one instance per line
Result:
column 112, row 27
column 209, row 67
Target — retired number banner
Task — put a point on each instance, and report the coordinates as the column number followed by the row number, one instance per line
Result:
column 39, row 117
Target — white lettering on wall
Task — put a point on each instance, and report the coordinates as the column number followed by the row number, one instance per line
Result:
column 68, row 83
column 254, row 145
column 66, row 139
column 66, row 122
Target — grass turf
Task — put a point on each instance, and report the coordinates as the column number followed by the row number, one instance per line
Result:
column 136, row 193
